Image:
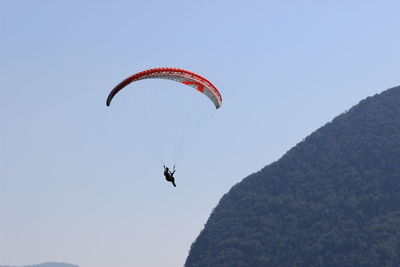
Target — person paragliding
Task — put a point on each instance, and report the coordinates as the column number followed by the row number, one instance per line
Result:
column 186, row 77
column 169, row 176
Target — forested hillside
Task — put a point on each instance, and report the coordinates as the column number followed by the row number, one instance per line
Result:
column 332, row 200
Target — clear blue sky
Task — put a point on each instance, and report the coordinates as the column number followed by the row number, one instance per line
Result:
column 76, row 182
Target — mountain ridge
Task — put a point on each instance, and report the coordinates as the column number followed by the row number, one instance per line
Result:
column 46, row 264
column 322, row 203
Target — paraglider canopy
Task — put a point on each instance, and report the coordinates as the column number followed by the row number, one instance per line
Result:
column 167, row 115
column 180, row 75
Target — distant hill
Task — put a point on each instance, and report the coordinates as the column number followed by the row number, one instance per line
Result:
column 47, row 264
column 332, row 200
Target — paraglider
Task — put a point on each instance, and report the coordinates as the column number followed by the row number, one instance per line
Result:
column 189, row 78
column 169, row 176
column 180, row 75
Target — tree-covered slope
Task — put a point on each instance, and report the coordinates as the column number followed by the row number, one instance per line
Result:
column 332, row 200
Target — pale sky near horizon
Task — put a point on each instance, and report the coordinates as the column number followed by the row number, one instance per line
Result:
column 78, row 185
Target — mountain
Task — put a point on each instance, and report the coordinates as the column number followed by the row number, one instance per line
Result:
column 332, row 200
column 47, row 264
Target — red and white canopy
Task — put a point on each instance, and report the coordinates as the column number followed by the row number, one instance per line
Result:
column 180, row 75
